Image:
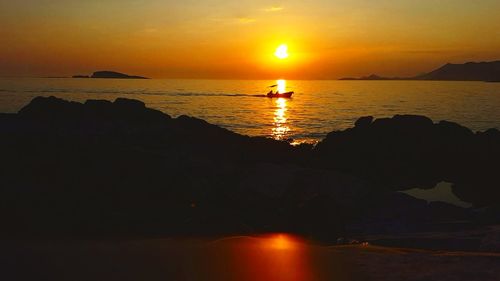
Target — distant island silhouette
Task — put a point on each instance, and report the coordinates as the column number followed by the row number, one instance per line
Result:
column 110, row 75
column 470, row 71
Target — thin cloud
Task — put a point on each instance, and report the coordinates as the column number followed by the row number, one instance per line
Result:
column 246, row 20
column 426, row 51
column 237, row 20
column 273, row 9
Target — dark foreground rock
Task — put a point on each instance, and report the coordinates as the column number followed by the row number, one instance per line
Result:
column 120, row 168
column 409, row 151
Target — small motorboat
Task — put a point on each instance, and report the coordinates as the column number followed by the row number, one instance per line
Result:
column 286, row 95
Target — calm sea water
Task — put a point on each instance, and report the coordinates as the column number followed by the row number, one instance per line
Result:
column 316, row 108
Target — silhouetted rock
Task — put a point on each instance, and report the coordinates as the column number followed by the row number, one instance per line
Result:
column 114, row 75
column 109, row 74
column 51, row 111
column 120, row 168
column 363, row 121
column 411, row 151
column 98, row 106
column 128, row 104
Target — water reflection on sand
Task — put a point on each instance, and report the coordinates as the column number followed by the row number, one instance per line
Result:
column 276, row 257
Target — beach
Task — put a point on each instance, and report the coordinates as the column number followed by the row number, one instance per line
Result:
column 237, row 258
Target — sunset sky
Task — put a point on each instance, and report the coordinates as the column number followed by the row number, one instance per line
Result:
column 326, row 39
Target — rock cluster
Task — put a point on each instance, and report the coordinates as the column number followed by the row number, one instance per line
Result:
column 120, row 168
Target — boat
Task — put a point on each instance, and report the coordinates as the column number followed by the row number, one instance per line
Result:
column 286, row 95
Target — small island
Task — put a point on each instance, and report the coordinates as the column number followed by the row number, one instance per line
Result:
column 109, row 75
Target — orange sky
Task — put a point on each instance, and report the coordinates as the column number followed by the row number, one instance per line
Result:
column 327, row 39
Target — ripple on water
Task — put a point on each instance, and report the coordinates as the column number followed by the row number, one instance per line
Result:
column 316, row 108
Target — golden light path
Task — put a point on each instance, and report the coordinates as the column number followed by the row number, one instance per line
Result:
column 280, row 128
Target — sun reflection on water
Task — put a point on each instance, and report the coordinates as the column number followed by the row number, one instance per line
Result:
column 281, row 85
column 280, row 128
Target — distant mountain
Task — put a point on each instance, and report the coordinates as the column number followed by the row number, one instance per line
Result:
column 372, row 77
column 471, row 71
column 110, row 74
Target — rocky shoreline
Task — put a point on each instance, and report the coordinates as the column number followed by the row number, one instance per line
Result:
column 104, row 168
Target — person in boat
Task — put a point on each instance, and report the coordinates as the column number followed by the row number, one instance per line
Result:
column 271, row 92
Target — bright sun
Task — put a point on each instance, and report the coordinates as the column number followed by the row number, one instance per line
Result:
column 282, row 51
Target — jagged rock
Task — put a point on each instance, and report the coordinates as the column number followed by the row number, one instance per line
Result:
column 121, row 168
column 409, row 151
column 363, row 122
column 51, row 108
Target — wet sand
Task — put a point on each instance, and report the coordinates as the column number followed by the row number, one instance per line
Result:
column 275, row 257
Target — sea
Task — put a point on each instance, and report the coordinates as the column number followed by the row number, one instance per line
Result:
column 316, row 108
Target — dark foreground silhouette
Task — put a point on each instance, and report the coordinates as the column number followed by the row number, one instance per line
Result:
column 120, row 169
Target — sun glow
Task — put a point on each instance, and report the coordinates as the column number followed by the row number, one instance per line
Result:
column 282, row 52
